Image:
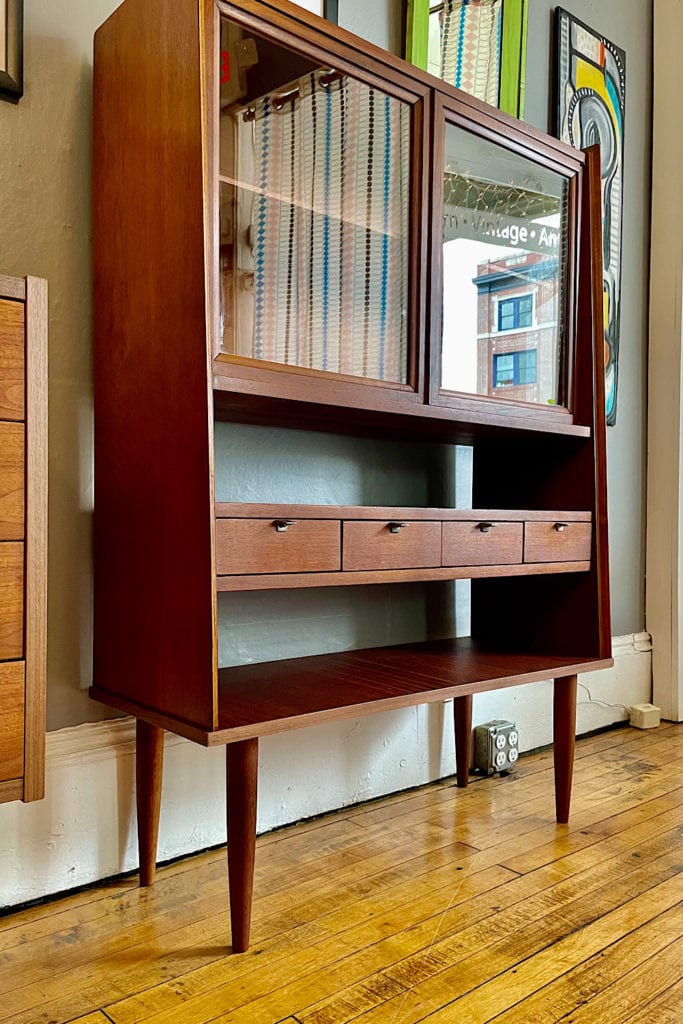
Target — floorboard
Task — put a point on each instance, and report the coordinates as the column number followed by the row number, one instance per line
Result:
column 436, row 905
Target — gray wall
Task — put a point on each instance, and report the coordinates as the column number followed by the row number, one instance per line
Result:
column 628, row 24
column 45, row 218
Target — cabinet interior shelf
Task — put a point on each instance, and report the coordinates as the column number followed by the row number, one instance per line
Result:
column 276, row 696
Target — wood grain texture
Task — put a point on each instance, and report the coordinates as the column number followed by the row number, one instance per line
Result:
column 260, row 699
column 13, row 790
column 297, row 581
column 12, row 344
column 12, row 288
column 242, row 783
column 497, row 544
column 464, row 740
column 11, row 720
column 249, row 510
column 149, row 765
column 564, row 732
column 543, row 542
column 154, row 596
column 36, row 535
column 11, row 481
column 256, row 546
column 413, row 885
column 373, row 545
column 11, row 601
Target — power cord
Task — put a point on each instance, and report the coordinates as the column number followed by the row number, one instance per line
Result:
column 601, row 703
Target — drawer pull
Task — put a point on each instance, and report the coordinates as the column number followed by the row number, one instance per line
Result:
column 485, row 527
column 561, row 527
column 395, row 527
column 282, row 525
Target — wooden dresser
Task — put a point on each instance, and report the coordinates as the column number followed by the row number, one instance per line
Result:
column 23, row 536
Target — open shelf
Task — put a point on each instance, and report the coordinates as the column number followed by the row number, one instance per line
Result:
column 255, row 700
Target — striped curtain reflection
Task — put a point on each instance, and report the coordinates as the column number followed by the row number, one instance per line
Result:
column 325, row 227
column 470, row 51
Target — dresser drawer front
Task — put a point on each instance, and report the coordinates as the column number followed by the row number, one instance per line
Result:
column 557, row 542
column 254, row 546
column 11, row 481
column 11, row 360
column 11, row 601
column 389, row 544
column 482, row 543
column 11, row 720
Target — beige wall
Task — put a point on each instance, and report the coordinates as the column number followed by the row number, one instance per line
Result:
column 45, row 230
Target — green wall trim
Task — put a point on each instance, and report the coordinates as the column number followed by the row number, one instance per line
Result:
column 513, row 57
column 417, row 33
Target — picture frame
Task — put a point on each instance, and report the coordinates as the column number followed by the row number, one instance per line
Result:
column 590, row 106
column 505, row 84
column 11, row 50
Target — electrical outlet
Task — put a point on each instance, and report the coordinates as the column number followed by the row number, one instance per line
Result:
column 496, row 747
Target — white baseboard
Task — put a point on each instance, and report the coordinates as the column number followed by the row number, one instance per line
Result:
column 85, row 829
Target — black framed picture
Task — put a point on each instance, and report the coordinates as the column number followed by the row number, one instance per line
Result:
column 11, row 49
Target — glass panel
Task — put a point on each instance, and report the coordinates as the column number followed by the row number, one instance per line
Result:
column 314, row 207
column 505, row 272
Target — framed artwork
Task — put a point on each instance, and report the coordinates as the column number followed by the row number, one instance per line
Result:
column 11, row 49
column 476, row 45
column 590, row 83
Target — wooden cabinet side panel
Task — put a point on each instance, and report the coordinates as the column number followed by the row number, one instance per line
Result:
column 154, row 594
column 36, row 554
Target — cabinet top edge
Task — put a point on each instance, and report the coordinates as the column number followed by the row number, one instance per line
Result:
column 468, row 106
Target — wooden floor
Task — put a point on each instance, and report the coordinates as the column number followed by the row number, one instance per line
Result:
column 456, row 907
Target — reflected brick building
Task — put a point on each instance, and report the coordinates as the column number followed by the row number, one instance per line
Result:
column 517, row 327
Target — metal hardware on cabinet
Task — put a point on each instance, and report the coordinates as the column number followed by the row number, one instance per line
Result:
column 281, row 525
column 485, row 527
column 561, row 527
column 395, row 527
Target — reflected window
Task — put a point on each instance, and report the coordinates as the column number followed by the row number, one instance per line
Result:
column 510, row 368
column 515, row 313
column 505, row 242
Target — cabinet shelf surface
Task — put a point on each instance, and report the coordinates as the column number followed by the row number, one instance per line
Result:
column 276, row 696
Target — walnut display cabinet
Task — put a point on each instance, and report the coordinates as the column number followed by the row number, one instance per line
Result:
column 294, row 228
column 23, row 536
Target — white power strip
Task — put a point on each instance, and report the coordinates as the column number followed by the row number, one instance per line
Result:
column 645, row 716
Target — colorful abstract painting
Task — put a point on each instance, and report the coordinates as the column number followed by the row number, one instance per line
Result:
column 591, row 93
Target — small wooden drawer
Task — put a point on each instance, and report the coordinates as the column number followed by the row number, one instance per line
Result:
column 253, row 546
column 11, row 720
column 482, row 543
column 557, row 542
column 11, row 360
column 11, row 601
column 11, row 481
column 391, row 544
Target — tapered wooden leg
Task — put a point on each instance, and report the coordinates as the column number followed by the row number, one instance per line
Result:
column 462, row 718
column 149, row 764
column 564, row 733
column 242, row 767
